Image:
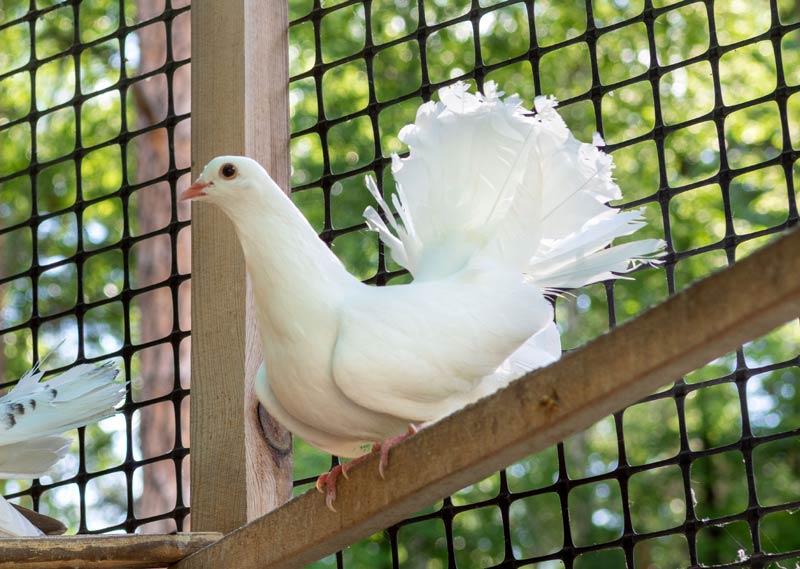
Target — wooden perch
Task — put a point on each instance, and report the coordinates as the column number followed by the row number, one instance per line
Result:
column 705, row 321
column 100, row 551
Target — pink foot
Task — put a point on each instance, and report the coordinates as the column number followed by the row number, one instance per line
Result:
column 387, row 445
column 326, row 484
column 348, row 465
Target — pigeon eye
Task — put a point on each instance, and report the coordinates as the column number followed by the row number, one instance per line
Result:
column 228, row 171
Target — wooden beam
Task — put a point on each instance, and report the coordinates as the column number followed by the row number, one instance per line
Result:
column 695, row 326
column 100, row 551
column 240, row 467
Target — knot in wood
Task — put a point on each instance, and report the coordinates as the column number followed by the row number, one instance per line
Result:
column 277, row 437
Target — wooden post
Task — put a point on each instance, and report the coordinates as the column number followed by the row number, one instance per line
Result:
column 241, row 466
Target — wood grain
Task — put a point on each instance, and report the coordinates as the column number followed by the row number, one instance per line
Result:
column 239, row 106
column 705, row 321
column 100, row 551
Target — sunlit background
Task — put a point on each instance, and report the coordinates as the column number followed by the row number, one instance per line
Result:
column 699, row 103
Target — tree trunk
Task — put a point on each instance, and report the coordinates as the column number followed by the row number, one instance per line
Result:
column 154, row 205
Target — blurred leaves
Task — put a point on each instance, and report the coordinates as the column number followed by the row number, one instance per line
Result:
column 60, row 180
column 697, row 209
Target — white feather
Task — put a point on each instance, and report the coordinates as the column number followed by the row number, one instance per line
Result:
column 492, row 208
column 14, row 524
column 485, row 179
column 32, row 415
column 81, row 395
column 31, row 458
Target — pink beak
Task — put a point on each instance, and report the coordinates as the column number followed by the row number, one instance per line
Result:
column 194, row 191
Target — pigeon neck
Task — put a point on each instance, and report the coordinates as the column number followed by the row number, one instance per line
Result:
column 293, row 272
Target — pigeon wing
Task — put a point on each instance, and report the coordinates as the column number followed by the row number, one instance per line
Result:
column 423, row 350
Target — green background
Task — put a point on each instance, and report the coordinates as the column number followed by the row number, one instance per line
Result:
column 713, row 176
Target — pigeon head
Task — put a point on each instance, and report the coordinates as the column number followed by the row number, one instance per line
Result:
column 227, row 181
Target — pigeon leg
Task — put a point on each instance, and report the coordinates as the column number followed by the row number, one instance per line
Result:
column 386, row 446
column 346, row 466
column 326, row 483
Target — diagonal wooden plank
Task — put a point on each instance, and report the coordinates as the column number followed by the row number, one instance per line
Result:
column 100, row 551
column 693, row 327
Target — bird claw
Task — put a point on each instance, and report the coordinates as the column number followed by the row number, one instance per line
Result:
column 321, row 482
column 326, row 484
column 384, row 461
column 386, row 446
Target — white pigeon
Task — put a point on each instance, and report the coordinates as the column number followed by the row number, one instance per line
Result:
column 33, row 414
column 495, row 206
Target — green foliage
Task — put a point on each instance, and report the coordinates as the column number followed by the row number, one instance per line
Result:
column 695, row 214
column 58, row 236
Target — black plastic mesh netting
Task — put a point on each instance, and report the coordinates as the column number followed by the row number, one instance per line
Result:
column 93, row 265
column 699, row 102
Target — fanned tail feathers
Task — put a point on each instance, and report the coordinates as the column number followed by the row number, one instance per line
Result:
column 585, row 257
column 33, row 414
column 34, row 409
column 485, row 179
column 400, row 238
